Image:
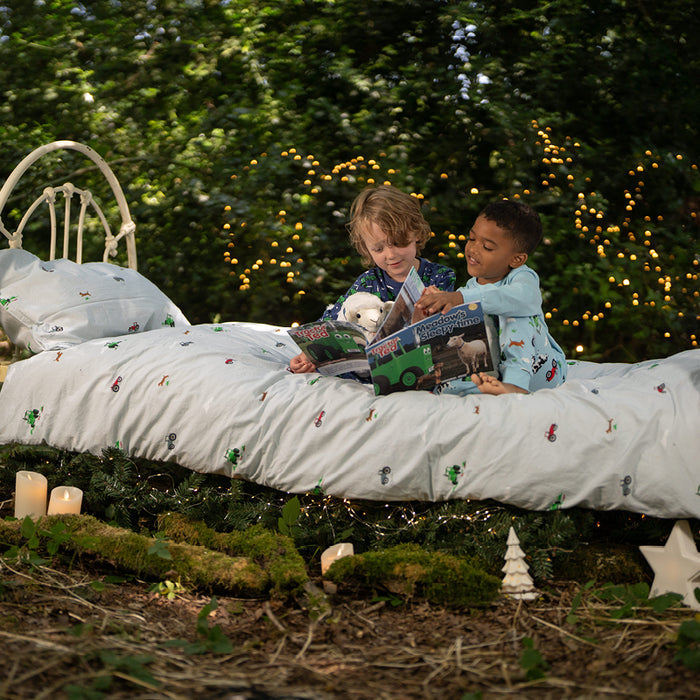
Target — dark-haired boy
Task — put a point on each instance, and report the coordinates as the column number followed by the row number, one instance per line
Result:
column 503, row 236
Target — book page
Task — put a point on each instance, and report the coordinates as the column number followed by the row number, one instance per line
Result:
column 403, row 312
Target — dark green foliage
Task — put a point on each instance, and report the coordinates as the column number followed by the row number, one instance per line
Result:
column 532, row 662
column 111, row 663
column 570, row 543
column 689, row 644
column 290, row 514
column 210, row 639
column 441, row 97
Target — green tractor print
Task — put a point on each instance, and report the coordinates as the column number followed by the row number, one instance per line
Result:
column 31, row 416
column 558, row 503
column 234, row 455
column 454, row 472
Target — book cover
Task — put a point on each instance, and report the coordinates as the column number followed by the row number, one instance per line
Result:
column 432, row 351
column 404, row 311
column 409, row 350
column 335, row 347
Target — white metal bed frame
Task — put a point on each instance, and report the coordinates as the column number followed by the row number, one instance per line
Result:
column 68, row 190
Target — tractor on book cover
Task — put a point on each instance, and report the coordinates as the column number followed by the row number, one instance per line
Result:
column 401, row 368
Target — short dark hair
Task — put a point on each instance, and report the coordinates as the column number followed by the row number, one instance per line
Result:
column 519, row 220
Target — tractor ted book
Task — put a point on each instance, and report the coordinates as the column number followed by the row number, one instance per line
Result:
column 432, row 351
column 338, row 346
column 421, row 355
column 335, row 347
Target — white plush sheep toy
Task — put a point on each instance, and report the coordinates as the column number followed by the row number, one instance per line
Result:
column 365, row 310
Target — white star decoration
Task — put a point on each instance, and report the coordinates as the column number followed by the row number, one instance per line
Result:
column 676, row 565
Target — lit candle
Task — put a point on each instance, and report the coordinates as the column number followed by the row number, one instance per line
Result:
column 65, row 499
column 337, row 551
column 30, row 494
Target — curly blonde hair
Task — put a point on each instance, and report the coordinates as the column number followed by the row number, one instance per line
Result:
column 396, row 213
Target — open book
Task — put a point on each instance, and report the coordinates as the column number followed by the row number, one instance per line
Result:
column 410, row 350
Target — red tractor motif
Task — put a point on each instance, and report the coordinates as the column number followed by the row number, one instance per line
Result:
column 550, row 433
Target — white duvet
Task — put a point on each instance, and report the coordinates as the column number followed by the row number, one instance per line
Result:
column 219, row 398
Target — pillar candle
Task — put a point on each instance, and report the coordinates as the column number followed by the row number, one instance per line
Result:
column 65, row 499
column 30, row 494
column 337, row 551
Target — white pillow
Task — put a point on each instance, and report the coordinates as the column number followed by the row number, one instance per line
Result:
column 53, row 305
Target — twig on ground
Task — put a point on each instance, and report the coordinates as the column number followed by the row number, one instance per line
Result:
column 273, row 619
column 564, row 632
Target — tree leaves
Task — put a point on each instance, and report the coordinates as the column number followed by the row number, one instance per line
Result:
column 442, row 96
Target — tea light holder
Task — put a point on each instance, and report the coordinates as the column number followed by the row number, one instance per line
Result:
column 30, row 494
column 64, row 500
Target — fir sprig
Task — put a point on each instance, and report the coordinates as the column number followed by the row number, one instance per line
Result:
column 134, row 492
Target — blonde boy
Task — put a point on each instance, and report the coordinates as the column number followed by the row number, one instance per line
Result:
column 388, row 229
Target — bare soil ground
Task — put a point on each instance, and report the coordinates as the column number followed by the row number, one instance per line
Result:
column 64, row 639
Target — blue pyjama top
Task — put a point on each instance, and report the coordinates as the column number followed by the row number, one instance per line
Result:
column 530, row 357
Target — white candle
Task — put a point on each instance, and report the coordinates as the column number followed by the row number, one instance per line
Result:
column 30, row 494
column 337, row 551
column 65, row 499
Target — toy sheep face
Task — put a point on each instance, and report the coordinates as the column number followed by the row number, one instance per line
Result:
column 365, row 310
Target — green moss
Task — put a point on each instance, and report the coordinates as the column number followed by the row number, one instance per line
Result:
column 127, row 550
column 408, row 570
column 276, row 553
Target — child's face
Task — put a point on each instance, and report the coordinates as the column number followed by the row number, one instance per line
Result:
column 394, row 260
column 490, row 252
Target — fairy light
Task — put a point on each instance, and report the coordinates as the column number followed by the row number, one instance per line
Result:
column 613, row 240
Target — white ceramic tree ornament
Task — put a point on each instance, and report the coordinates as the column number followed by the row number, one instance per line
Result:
column 517, row 582
column 676, row 565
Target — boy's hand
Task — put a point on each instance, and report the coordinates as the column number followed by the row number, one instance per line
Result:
column 301, row 364
column 432, row 302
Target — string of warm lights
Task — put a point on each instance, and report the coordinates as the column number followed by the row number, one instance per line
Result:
column 590, row 220
column 290, row 229
column 390, row 518
column 639, row 267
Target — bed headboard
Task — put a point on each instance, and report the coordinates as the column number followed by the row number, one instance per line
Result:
column 68, row 190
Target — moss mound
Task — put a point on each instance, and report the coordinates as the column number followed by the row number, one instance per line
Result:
column 409, row 571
